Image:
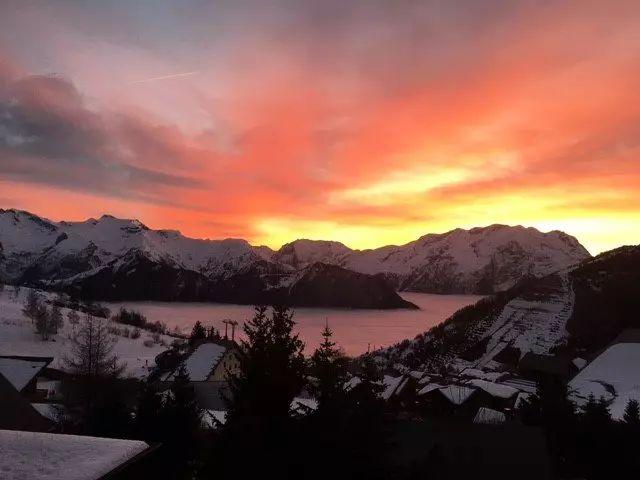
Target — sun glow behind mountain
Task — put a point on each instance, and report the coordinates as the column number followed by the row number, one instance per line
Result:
column 361, row 123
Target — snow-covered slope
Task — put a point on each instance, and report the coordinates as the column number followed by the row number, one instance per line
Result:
column 480, row 260
column 18, row 337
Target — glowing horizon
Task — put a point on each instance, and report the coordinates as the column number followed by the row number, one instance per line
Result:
column 367, row 124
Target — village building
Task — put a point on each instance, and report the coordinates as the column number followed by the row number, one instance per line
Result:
column 17, row 413
column 30, row 376
column 452, row 400
column 209, row 366
column 209, row 362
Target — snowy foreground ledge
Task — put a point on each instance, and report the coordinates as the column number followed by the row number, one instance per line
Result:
column 48, row 456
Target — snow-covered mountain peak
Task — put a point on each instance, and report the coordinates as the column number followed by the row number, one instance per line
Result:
column 478, row 259
column 304, row 252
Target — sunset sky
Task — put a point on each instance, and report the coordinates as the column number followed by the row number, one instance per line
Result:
column 368, row 122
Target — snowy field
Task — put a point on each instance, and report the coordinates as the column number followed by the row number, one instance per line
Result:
column 354, row 330
column 18, row 337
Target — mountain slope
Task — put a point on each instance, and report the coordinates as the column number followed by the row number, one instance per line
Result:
column 576, row 311
column 480, row 260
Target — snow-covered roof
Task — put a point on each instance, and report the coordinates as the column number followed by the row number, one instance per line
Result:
column 489, row 416
column 429, row 388
column 51, row 411
column 580, row 363
column 477, row 373
column 211, row 418
column 522, row 384
column 494, row 389
column 390, row 386
column 20, row 371
column 353, row 381
column 617, row 366
column 457, row 394
column 202, row 361
column 49, row 456
column 304, row 405
column 522, row 396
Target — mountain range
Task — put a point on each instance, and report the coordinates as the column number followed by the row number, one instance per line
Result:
column 119, row 259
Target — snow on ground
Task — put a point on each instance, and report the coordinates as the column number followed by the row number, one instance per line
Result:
column 614, row 375
column 531, row 326
column 201, row 362
column 48, row 456
column 18, row 337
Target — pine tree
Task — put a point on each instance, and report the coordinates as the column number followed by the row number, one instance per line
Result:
column 366, row 429
column 271, row 368
column 259, row 424
column 148, row 410
column 213, row 335
column 327, row 429
column 632, row 413
column 595, row 413
column 181, row 419
column 197, row 333
column 329, row 367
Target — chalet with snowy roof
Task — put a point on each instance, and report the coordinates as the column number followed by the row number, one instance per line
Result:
column 209, row 362
column 26, row 374
column 452, row 400
column 38, row 455
column 502, row 396
column 208, row 367
column 16, row 413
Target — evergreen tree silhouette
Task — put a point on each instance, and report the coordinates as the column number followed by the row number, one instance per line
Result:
column 197, row 333
column 329, row 367
column 182, row 423
column 259, row 425
column 631, row 414
column 149, row 408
